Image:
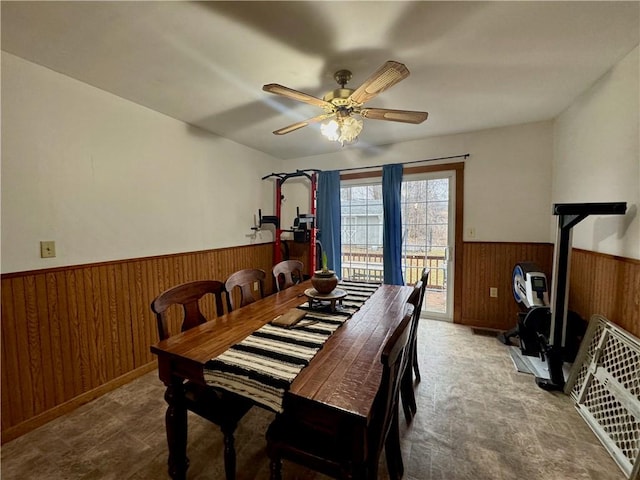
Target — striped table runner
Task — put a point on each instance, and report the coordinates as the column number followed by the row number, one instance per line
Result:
column 263, row 365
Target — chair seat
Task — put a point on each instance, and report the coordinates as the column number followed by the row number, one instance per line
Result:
column 320, row 450
column 218, row 406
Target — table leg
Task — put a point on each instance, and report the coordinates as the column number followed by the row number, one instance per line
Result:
column 176, row 424
column 229, row 451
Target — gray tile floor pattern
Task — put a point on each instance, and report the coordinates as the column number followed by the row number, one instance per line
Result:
column 477, row 419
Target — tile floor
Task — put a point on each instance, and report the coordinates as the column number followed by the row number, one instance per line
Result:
column 477, row 419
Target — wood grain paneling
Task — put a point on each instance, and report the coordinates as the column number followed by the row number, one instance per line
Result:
column 70, row 334
column 488, row 265
column 599, row 283
column 606, row 285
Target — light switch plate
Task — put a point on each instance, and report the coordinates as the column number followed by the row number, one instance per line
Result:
column 47, row 249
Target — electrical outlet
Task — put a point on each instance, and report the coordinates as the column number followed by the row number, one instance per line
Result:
column 493, row 292
column 47, row 249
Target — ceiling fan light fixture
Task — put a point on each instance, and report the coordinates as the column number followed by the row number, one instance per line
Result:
column 350, row 129
column 345, row 106
column 343, row 129
column 331, row 130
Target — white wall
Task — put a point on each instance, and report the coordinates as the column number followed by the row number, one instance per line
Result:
column 597, row 159
column 108, row 179
column 507, row 177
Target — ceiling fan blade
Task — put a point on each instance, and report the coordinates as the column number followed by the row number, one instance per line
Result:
column 296, row 95
column 385, row 77
column 304, row 123
column 406, row 116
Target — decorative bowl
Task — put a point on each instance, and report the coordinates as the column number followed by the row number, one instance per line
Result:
column 324, row 281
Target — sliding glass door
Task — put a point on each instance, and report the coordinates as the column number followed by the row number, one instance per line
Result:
column 428, row 216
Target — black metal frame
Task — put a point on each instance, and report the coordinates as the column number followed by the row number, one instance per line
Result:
column 569, row 215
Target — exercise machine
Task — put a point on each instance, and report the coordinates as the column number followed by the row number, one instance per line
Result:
column 548, row 328
column 530, row 291
column 303, row 229
column 530, row 286
column 531, row 294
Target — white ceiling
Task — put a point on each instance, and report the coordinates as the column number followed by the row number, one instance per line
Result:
column 474, row 65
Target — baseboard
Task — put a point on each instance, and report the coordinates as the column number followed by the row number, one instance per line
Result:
column 20, row 429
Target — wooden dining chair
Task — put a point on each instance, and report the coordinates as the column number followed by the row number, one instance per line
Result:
column 244, row 280
column 187, row 295
column 409, row 405
column 414, row 345
column 287, row 273
column 407, row 394
column 340, row 454
column 220, row 407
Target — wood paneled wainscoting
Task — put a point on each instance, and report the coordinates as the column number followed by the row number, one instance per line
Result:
column 607, row 285
column 490, row 264
column 71, row 334
column 599, row 283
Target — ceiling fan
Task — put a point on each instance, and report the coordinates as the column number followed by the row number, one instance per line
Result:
column 342, row 106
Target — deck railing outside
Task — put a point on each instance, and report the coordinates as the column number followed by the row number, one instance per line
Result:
column 368, row 267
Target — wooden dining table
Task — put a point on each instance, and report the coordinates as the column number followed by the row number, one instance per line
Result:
column 335, row 392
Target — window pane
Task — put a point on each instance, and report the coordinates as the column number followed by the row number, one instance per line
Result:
column 437, row 236
column 416, row 236
column 414, row 212
column 438, row 212
column 414, row 191
column 362, row 232
column 438, row 189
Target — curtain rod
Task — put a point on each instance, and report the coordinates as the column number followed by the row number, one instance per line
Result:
column 465, row 155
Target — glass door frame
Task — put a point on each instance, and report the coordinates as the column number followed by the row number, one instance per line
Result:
column 450, row 249
column 458, row 168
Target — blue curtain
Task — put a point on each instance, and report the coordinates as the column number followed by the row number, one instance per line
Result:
column 328, row 222
column 392, row 229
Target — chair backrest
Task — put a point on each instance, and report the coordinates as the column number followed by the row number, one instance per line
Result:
column 244, row 280
column 386, row 402
column 423, row 279
column 415, row 300
column 188, row 295
column 290, row 271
